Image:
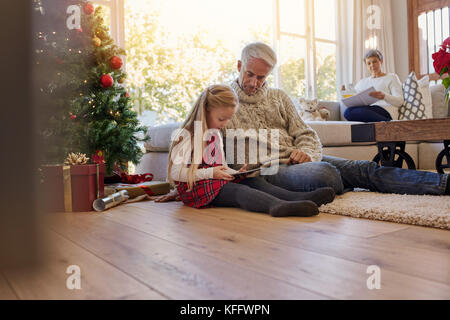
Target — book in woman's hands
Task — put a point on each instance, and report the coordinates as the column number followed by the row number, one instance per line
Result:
column 361, row 99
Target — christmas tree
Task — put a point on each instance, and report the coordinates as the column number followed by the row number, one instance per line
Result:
column 79, row 80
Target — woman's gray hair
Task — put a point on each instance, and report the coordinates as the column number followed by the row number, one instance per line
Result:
column 373, row 53
column 259, row 50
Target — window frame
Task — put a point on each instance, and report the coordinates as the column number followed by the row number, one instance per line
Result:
column 415, row 9
column 311, row 40
column 117, row 10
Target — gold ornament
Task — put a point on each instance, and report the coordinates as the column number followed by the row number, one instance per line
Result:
column 74, row 159
column 121, row 80
column 98, row 11
column 96, row 41
column 99, row 32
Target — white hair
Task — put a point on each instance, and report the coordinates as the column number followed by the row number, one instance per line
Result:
column 259, row 50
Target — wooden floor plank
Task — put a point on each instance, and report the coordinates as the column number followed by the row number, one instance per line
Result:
column 6, row 293
column 336, row 277
column 363, row 228
column 387, row 254
column 144, row 295
column 177, row 271
column 99, row 280
column 431, row 239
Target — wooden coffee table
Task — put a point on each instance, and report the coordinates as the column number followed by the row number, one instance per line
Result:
column 391, row 138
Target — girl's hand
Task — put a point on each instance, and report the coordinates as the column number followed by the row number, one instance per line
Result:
column 171, row 196
column 219, row 173
column 244, row 168
column 377, row 94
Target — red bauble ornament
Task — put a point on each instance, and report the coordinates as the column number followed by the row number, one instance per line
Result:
column 73, row 117
column 127, row 95
column 116, row 62
column 106, row 81
column 88, row 8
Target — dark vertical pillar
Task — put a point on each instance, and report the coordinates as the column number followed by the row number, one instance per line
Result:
column 18, row 240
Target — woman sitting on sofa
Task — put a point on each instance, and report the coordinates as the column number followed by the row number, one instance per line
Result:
column 389, row 92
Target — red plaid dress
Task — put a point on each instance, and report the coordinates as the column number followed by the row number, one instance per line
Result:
column 204, row 191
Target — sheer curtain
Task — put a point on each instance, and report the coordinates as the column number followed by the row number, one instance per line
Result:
column 363, row 25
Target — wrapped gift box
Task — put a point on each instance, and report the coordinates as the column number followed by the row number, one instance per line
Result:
column 71, row 188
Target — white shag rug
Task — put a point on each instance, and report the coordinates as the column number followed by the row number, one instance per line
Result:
column 429, row 211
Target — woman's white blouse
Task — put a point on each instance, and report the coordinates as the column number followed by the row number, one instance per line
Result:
column 391, row 86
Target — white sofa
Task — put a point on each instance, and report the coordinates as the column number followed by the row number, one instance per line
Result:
column 334, row 134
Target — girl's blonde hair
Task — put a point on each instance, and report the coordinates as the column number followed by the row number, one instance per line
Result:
column 215, row 96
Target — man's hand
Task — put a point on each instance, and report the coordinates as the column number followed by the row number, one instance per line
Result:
column 377, row 94
column 171, row 196
column 298, row 156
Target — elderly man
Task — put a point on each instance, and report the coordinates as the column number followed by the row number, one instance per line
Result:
column 304, row 167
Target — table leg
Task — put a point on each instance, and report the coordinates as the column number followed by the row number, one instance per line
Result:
column 440, row 166
column 387, row 152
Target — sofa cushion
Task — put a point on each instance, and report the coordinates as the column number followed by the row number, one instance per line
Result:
column 335, row 133
column 156, row 163
column 438, row 98
column 413, row 107
column 160, row 137
column 331, row 133
column 332, row 106
column 424, row 89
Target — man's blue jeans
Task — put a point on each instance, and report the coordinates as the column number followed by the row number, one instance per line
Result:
column 344, row 175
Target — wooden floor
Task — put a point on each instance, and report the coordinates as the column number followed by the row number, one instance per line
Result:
column 147, row 250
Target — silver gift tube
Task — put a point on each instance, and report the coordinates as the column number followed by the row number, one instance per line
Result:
column 110, row 201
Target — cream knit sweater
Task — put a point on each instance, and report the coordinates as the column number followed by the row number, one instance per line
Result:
column 272, row 109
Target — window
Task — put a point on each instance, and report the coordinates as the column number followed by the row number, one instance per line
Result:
column 305, row 41
column 429, row 26
column 433, row 30
column 175, row 48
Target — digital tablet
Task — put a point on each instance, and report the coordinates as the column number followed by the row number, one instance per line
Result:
column 245, row 172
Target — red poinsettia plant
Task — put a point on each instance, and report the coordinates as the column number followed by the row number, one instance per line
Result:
column 441, row 63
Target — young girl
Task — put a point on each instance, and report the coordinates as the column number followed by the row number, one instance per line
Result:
column 207, row 181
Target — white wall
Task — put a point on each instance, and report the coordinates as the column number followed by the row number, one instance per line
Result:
column 400, row 27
